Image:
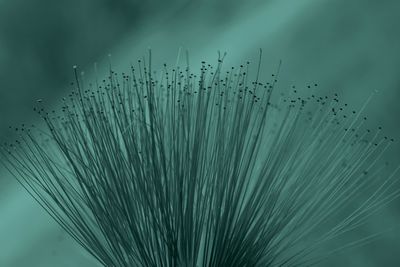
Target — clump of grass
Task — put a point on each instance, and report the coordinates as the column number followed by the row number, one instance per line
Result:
column 215, row 168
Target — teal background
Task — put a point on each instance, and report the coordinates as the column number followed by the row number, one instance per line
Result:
column 347, row 46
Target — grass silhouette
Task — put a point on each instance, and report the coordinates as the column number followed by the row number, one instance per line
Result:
column 215, row 168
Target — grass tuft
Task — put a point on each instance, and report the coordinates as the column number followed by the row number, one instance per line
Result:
column 214, row 168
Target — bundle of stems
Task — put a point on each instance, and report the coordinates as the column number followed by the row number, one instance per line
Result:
column 214, row 168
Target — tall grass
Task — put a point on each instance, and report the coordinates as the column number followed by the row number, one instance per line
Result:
column 207, row 168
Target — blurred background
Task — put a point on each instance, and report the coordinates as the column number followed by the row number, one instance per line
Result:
column 347, row 46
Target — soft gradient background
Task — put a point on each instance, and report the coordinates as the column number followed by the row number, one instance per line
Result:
column 349, row 46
